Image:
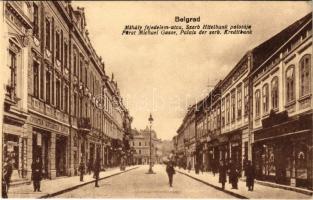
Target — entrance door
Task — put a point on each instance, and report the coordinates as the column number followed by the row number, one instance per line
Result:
column 60, row 155
column 40, row 150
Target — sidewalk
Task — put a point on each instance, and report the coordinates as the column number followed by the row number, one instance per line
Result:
column 60, row 185
column 260, row 191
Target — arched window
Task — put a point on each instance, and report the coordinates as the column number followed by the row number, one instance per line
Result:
column 305, row 71
column 265, row 96
column 274, row 91
column 290, row 83
column 257, row 103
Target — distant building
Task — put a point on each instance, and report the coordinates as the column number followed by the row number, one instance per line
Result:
column 141, row 146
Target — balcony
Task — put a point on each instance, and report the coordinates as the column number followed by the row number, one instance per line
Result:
column 84, row 124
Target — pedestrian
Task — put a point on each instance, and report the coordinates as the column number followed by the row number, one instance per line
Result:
column 97, row 168
column 233, row 175
column 170, row 172
column 81, row 169
column 36, row 174
column 189, row 166
column 250, row 174
column 222, row 173
column 6, row 177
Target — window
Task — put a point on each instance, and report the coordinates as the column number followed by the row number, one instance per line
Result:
column 86, row 73
column 290, row 83
column 57, row 46
column 36, row 79
column 80, row 70
column 75, row 64
column 246, row 99
column 265, row 97
column 239, row 102
column 58, row 93
column 305, row 71
column 139, row 143
column 65, row 55
column 257, row 103
column 48, row 87
column 233, row 105
column 48, row 35
column 75, row 104
column 274, row 91
column 223, row 112
column 36, row 21
column 52, row 89
column 12, row 83
column 66, row 99
column 227, row 110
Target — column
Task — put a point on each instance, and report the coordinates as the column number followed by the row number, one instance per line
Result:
column 52, row 155
column 29, row 151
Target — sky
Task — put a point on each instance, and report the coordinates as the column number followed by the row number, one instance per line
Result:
column 163, row 75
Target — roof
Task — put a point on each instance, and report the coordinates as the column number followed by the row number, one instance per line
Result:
column 267, row 48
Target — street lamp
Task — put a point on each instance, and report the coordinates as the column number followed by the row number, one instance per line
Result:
column 150, row 145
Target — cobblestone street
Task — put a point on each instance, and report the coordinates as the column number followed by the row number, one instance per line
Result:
column 138, row 184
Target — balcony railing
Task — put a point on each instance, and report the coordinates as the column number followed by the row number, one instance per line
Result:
column 84, row 124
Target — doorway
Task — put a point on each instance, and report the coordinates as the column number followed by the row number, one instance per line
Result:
column 60, row 155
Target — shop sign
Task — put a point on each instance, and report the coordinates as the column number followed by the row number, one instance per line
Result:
column 49, row 125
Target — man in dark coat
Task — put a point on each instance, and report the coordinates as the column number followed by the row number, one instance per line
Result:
column 170, row 172
column 36, row 174
column 233, row 175
column 250, row 174
column 81, row 170
column 97, row 168
column 6, row 177
column 222, row 173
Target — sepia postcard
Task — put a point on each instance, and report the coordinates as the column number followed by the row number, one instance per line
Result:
column 156, row 99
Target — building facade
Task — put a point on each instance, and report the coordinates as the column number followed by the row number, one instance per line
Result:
column 141, row 146
column 265, row 105
column 282, row 111
column 187, row 138
column 61, row 105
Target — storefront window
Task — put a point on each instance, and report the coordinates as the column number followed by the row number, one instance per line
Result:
column 301, row 169
column 268, row 160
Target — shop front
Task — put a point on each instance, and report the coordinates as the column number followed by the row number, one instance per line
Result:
column 235, row 148
column 41, row 140
column 283, row 153
column 49, row 141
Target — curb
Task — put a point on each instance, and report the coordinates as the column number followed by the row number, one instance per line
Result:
column 216, row 187
column 80, row 185
column 284, row 187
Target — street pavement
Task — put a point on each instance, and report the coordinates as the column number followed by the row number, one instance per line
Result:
column 260, row 191
column 61, row 184
column 137, row 184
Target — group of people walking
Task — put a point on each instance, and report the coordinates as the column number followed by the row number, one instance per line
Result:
column 232, row 170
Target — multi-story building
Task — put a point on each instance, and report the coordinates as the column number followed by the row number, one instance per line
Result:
column 187, row 136
column 235, row 112
column 60, row 105
column 282, row 107
column 266, row 109
column 17, row 27
column 208, row 129
column 141, row 145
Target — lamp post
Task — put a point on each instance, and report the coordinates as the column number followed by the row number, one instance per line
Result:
column 150, row 145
